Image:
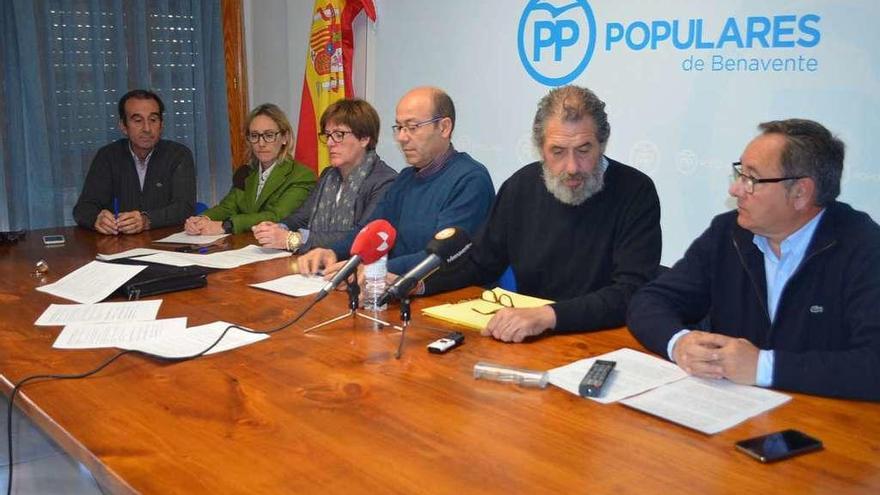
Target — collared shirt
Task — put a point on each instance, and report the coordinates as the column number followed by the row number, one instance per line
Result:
column 777, row 270
column 140, row 165
column 436, row 164
column 264, row 175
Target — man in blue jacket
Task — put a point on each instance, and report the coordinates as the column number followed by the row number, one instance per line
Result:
column 786, row 287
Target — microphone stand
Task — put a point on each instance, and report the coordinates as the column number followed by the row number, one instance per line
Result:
column 354, row 293
column 405, row 315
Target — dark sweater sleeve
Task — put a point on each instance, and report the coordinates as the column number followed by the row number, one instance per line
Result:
column 636, row 254
column 853, row 372
column 488, row 257
column 183, row 191
column 665, row 306
column 467, row 205
column 97, row 191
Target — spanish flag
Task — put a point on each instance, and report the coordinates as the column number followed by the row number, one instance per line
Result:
column 328, row 72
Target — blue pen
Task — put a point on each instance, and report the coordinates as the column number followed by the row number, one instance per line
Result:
column 115, row 207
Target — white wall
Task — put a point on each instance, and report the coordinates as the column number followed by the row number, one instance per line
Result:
column 276, row 35
column 683, row 128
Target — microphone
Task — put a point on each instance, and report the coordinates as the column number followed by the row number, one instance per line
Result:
column 446, row 247
column 373, row 241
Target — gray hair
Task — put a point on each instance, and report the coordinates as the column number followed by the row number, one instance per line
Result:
column 571, row 104
column 812, row 151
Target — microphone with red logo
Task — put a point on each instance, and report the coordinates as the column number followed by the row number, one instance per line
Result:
column 447, row 246
column 373, row 241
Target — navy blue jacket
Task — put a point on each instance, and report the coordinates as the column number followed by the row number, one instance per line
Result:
column 826, row 335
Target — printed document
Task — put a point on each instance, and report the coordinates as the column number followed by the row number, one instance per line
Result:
column 706, row 405
column 196, row 339
column 634, row 373
column 116, row 334
column 294, row 285
column 65, row 314
column 184, row 238
column 92, row 282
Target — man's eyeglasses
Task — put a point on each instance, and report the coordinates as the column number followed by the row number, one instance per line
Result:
column 411, row 128
column 335, row 136
column 749, row 182
column 268, row 136
column 503, row 300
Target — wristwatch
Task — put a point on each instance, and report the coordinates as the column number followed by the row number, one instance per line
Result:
column 146, row 219
column 294, row 241
column 227, row 226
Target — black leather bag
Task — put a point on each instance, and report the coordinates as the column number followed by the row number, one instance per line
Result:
column 159, row 279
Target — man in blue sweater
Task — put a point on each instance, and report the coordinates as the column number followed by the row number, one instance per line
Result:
column 442, row 188
column 786, row 287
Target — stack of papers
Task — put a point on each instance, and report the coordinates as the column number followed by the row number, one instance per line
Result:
column 294, row 285
column 661, row 388
column 463, row 313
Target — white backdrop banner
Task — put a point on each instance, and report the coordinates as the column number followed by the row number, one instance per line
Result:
column 685, row 82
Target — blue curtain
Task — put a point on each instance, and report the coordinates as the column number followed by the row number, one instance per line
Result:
column 66, row 63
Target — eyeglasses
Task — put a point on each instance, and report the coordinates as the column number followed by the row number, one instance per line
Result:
column 268, row 136
column 335, row 136
column 749, row 182
column 504, row 300
column 411, row 128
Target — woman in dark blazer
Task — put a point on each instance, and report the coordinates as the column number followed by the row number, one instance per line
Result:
column 347, row 191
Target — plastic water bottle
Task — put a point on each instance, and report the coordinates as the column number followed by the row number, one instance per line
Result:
column 374, row 284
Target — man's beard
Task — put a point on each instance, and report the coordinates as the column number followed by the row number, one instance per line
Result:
column 593, row 182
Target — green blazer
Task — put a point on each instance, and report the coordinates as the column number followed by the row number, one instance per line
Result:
column 285, row 190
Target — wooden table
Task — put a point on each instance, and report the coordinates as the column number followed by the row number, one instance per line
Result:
column 335, row 412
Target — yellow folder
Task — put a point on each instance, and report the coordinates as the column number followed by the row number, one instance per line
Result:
column 463, row 313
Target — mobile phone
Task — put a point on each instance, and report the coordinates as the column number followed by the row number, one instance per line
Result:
column 53, row 240
column 779, row 445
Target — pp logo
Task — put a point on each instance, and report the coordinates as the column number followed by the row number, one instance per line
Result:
column 556, row 39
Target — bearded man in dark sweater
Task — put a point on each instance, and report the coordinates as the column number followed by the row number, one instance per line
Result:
column 577, row 227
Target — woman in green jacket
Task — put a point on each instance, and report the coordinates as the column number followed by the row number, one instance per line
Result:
column 270, row 187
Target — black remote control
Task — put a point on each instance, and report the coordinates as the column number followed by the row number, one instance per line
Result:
column 591, row 385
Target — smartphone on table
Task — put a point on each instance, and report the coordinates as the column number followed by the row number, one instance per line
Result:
column 779, row 445
column 53, row 240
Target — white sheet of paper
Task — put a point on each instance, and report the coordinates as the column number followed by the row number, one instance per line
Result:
column 131, row 253
column 248, row 254
column 171, row 258
column 116, row 334
column 222, row 259
column 706, row 405
column 196, row 339
column 92, row 282
column 294, row 285
column 634, row 373
column 65, row 314
column 184, row 238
